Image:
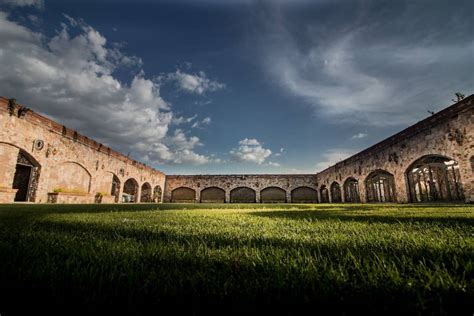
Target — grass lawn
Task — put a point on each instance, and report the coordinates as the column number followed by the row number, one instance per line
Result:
column 127, row 258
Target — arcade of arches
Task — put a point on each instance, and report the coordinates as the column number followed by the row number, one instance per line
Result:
column 42, row 161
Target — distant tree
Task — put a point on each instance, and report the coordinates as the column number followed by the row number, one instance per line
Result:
column 459, row 97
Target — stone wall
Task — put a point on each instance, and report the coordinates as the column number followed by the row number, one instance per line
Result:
column 448, row 133
column 287, row 182
column 63, row 161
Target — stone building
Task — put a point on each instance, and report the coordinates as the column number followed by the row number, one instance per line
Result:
column 43, row 161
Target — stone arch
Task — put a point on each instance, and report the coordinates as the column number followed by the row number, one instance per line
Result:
column 25, row 179
column 183, row 195
column 157, row 192
column 243, row 195
column 324, row 192
column 213, row 195
column 336, row 196
column 351, row 190
column 273, row 195
column 380, row 186
column 304, row 195
column 70, row 176
column 130, row 191
column 146, row 194
column 434, row 178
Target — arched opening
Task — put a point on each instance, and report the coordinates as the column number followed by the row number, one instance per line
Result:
column 273, row 195
column 26, row 177
column 130, row 191
column 157, row 194
column 324, row 192
column 336, row 196
column 146, row 193
column 380, row 187
column 434, row 178
column 183, row 195
column 243, row 195
column 351, row 191
column 213, row 195
column 304, row 195
column 115, row 191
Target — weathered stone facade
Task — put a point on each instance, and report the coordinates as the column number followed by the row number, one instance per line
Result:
column 59, row 164
column 228, row 183
column 43, row 161
column 445, row 136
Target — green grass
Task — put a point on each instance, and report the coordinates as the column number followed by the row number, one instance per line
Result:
column 392, row 258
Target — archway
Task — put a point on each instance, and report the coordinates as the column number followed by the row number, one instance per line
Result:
column 146, row 193
column 273, row 195
column 380, row 187
column 243, row 195
column 351, row 191
column 304, row 195
column 26, row 177
column 183, row 195
column 324, row 192
column 434, row 178
column 336, row 196
column 130, row 191
column 115, row 191
column 157, row 194
column 213, row 195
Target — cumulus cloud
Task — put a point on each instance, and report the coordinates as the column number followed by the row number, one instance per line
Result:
column 359, row 136
column 199, row 124
column 197, row 83
column 372, row 72
column 71, row 79
column 332, row 156
column 250, row 150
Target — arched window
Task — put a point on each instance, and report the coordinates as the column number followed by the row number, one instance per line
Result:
column 380, row 187
column 304, row 195
column 243, row 195
column 434, row 178
column 146, row 193
column 273, row 195
column 336, row 196
column 213, row 195
column 183, row 195
column 130, row 191
column 351, row 191
column 324, row 192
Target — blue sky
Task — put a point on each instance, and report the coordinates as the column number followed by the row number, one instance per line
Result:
column 239, row 86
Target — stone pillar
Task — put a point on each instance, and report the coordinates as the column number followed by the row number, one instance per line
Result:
column 227, row 196
column 139, row 194
column 288, row 196
column 198, row 195
column 257, row 196
column 120, row 192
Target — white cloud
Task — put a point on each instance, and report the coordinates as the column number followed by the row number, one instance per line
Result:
column 273, row 164
column 250, row 150
column 332, row 156
column 23, row 3
column 197, row 83
column 70, row 78
column 359, row 136
column 205, row 121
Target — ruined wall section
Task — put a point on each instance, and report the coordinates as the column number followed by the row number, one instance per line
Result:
column 448, row 133
column 67, row 160
column 287, row 182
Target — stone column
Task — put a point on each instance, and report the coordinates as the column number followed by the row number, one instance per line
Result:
column 120, row 192
column 257, row 196
column 288, row 196
column 139, row 194
column 227, row 196
column 198, row 195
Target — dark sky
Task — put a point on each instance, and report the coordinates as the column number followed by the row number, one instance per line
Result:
column 236, row 86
